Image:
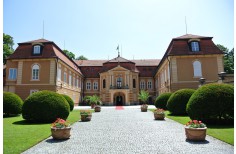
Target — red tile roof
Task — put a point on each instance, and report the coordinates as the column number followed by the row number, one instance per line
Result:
column 36, row 41
column 191, row 36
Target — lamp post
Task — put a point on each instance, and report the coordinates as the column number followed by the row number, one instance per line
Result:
column 201, row 81
column 222, row 76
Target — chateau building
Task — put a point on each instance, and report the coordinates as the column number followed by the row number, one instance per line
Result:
column 42, row 65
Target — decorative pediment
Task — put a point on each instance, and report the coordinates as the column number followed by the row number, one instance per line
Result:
column 118, row 68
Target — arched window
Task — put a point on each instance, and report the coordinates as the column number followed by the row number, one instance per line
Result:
column 35, row 72
column 197, row 69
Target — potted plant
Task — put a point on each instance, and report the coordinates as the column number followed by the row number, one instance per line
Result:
column 97, row 108
column 159, row 114
column 60, row 129
column 92, row 100
column 86, row 115
column 143, row 96
column 195, row 130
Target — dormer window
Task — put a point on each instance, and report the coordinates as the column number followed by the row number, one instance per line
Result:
column 36, row 50
column 195, row 46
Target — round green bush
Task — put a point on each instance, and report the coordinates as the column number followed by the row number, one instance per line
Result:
column 45, row 106
column 12, row 104
column 70, row 101
column 212, row 103
column 177, row 102
column 161, row 100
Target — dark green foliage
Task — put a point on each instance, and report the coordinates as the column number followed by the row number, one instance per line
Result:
column 212, row 103
column 161, row 100
column 70, row 101
column 45, row 106
column 8, row 43
column 176, row 104
column 12, row 104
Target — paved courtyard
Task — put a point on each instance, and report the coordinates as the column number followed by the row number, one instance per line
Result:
column 128, row 131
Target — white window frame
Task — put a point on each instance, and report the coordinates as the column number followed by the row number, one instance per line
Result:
column 77, row 83
column 95, row 85
column 12, row 74
column 65, row 77
column 70, row 80
column 195, row 46
column 88, row 85
column 35, row 72
column 59, row 74
column 149, row 85
column 142, row 84
column 36, row 49
column 197, row 69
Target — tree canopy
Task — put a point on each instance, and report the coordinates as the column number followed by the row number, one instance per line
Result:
column 81, row 58
column 71, row 55
column 228, row 59
column 8, row 43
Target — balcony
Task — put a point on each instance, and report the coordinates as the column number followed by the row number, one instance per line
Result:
column 119, row 87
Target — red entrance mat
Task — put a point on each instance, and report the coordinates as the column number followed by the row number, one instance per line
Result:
column 119, row 108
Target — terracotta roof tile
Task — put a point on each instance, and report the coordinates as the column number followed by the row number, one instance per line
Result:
column 36, row 41
column 191, row 36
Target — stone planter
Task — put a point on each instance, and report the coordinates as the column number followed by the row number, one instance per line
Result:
column 97, row 109
column 159, row 116
column 60, row 133
column 195, row 134
column 144, row 108
column 86, row 117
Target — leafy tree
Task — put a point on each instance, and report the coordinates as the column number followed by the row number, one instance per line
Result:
column 143, row 96
column 81, row 58
column 228, row 59
column 95, row 99
column 69, row 54
column 7, row 46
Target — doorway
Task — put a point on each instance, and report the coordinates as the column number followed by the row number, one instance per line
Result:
column 119, row 99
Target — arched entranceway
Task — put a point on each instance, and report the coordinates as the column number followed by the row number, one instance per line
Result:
column 119, row 99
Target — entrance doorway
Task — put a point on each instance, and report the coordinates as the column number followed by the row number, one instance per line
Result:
column 119, row 99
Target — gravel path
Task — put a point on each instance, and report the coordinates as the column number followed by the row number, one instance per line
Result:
column 128, row 131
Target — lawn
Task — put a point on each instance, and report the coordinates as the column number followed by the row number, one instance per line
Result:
column 18, row 135
column 222, row 132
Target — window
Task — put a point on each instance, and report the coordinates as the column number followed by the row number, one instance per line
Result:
column 134, row 83
column 149, row 85
column 88, row 85
column 77, row 83
column 142, row 85
column 70, row 80
column 197, row 69
column 36, row 50
column 65, row 77
column 119, row 82
column 33, row 91
column 35, row 72
column 104, row 83
column 195, row 46
column 95, row 86
column 12, row 74
column 59, row 74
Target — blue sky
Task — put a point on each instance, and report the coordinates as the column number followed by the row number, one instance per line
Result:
column 144, row 28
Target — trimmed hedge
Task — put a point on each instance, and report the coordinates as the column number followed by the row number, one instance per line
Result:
column 45, row 106
column 12, row 104
column 161, row 100
column 70, row 101
column 212, row 103
column 177, row 102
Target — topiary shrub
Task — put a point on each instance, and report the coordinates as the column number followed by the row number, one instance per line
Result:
column 45, row 106
column 12, row 104
column 177, row 102
column 161, row 100
column 212, row 103
column 70, row 101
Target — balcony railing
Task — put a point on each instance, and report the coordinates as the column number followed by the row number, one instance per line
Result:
column 119, row 87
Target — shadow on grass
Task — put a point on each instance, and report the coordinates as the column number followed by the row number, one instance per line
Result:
column 197, row 142
column 26, row 122
column 51, row 140
column 220, row 126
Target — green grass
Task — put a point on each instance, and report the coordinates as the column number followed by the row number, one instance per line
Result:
column 18, row 135
column 222, row 132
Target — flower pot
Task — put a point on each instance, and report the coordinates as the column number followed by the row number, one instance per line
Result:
column 195, row 134
column 60, row 133
column 92, row 106
column 159, row 116
column 86, row 117
column 144, row 108
column 97, row 109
